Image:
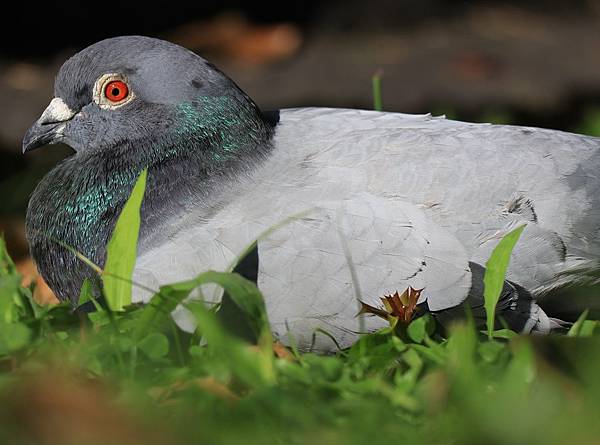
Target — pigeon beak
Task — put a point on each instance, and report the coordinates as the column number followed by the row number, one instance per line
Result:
column 49, row 127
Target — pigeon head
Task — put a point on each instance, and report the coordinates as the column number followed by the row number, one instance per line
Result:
column 133, row 88
column 126, row 104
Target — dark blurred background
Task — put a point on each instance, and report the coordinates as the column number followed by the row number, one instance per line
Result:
column 531, row 62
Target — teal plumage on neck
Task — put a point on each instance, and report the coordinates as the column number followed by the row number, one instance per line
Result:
column 75, row 204
column 233, row 125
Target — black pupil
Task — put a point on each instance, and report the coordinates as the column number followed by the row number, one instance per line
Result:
column 115, row 91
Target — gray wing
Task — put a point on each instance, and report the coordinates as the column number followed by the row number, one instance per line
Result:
column 478, row 181
column 313, row 269
column 306, row 263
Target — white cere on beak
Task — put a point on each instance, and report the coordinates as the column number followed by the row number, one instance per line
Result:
column 57, row 111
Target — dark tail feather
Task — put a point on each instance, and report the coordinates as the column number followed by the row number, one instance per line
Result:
column 516, row 309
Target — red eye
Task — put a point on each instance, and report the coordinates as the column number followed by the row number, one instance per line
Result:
column 116, row 90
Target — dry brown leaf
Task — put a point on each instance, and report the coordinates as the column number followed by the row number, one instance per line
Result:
column 213, row 386
column 234, row 36
column 42, row 293
column 282, row 352
column 400, row 307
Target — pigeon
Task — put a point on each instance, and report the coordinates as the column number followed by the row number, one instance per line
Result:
column 343, row 206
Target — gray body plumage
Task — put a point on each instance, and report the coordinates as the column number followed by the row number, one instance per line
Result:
column 414, row 198
column 345, row 204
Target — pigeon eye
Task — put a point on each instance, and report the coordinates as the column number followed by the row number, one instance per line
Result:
column 116, row 91
column 112, row 91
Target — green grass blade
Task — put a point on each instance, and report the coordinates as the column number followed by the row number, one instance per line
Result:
column 495, row 273
column 253, row 367
column 583, row 327
column 576, row 328
column 7, row 266
column 248, row 298
column 243, row 292
column 121, row 251
column 160, row 307
column 377, row 101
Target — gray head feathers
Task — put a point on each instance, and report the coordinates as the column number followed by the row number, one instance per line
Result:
column 171, row 112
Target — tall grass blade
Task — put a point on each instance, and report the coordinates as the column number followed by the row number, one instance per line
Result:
column 253, row 367
column 7, row 266
column 376, row 82
column 583, row 327
column 243, row 292
column 121, row 251
column 495, row 272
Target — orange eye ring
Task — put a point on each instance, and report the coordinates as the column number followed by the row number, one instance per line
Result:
column 116, row 91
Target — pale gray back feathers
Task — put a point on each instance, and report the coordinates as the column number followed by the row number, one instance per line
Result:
column 412, row 198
